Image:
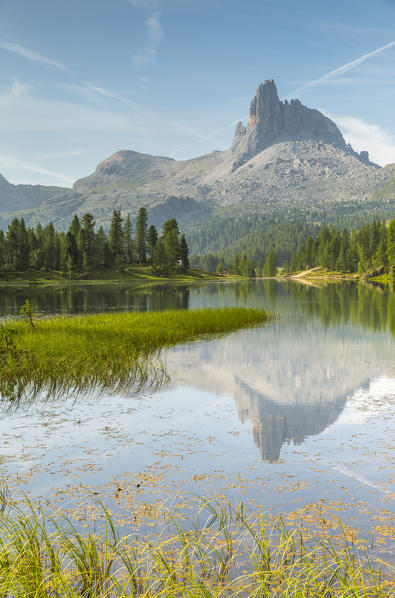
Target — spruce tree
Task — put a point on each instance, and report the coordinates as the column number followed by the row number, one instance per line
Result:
column 128, row 240
column 12, row 244
column 159, row 256
column 270, row 267
column 141, row 236
column 75, row 226
column 236, row 264
column 22, row 257
column 172, row 249
column 116, row 238
column 49, row 247
column 184, row 251
column 88, row 240
column 2, row 250
column 391, row 244
column 169, row 225
column 220, row 268
column 72, row 260
column 152, row 239
column 243, row 265
column 102, row 250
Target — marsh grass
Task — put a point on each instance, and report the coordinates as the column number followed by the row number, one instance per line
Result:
column 225, row 555
column 105, row 352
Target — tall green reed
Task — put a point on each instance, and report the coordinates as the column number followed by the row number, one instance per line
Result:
column 228, row 554
column 105, row 352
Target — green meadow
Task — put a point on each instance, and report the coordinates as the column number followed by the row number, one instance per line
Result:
column 105, row 352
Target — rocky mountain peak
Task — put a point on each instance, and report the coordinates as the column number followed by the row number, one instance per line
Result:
column 273, row 121
column 3, row 182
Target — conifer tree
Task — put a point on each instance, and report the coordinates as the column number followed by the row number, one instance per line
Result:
column 2, row 250
column 152, row 239
column 184, row 251
column 159, row 256
column 72, row 260
column 172, row 249
column 141, row 236
column 391, row 244
column 270, row 267
column 236, row 264
column 23, row 250
column 102, row 249
column 75, row 226
column 116, row 238
column 243, row 265
column 220, row 268
column 128, row 240
column 49, row 247
column 169, row 225
column 87, row 245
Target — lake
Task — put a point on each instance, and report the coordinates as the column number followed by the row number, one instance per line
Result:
column 296, row 417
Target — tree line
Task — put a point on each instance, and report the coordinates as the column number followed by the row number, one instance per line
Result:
column 369, row 248
column 84, row 248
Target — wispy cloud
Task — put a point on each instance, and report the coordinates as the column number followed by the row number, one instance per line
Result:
column 57, row 155
column 155, row 29
column 342, row 69
column 144, row 113
column 16, row 91
column 90, row 90
column 367, row 136
column 19, row 165
column 31, row 55
column 155, row 33
column 108, row 93
column 211, row 138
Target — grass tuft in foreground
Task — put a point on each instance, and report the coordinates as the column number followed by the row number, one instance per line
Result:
column 107, row 352
column 227, row 555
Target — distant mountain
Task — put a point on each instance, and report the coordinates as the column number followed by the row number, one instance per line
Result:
column 25, row 197
column 287, row 158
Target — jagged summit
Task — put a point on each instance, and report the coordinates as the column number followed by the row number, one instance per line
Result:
column 287, row 157
column 273, row 121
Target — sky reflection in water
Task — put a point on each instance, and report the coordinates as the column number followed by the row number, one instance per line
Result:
column 298, row 412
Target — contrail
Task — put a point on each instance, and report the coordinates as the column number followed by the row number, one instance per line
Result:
column 339, row 71
column 342, row 69
column 31, row 55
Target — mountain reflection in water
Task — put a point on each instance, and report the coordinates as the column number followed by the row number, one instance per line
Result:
column 292, row 378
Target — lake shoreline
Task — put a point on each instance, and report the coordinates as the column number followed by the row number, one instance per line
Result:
column 100, row 277
column 319, row 274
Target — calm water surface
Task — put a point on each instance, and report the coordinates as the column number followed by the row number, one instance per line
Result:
column 296, row 417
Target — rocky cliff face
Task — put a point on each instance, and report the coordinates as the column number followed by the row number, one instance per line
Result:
column 287, row 157
column 272, row 121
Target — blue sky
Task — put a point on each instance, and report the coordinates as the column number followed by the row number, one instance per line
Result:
column 82, row 79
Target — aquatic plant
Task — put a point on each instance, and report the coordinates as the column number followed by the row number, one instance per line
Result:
column 104, row 352
column 26, row 311
column 226, row 555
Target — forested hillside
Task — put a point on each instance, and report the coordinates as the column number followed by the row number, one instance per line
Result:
column 227, row 234
column 372, row 246
column 301, row 245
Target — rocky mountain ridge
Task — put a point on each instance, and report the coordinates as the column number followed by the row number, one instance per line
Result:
column 272, row 121
column 287, row 156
